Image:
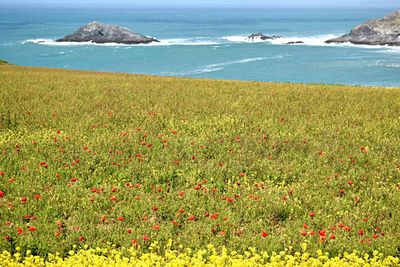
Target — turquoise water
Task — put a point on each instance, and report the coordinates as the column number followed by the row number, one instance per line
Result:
column 206, row 43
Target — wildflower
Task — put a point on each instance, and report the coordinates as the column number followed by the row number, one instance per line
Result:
column 23, row 200
column 120, row 218
column 32, row 228
column 322, row 232
column 191, row 218
column 146, row 238
column 311, row 214
column 214, row 216
column 2, row 194
column 19, row 231
column 264, row 234
column 360, row 232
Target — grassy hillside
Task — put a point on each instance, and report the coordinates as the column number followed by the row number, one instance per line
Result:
column 91, row 158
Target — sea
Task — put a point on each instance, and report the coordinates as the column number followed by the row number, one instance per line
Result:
column 206, row 43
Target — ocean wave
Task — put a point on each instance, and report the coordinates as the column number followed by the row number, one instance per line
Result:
column 163, row 42
column 317, row 40
column 386, row 63
column 219, row 66
column 199, row 70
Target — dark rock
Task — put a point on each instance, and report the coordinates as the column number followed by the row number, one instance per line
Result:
column 260, row 36
column 103, row 33
column 295, row 42
column 384, row 31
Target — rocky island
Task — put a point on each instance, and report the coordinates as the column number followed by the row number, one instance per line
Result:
column 383, row 31
column 103, row 33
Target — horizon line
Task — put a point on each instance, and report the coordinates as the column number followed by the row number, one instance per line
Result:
column 180, row 6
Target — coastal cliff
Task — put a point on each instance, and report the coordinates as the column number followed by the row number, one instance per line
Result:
column 383, row 31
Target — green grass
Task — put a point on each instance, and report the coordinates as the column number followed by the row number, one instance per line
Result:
column 262, row 155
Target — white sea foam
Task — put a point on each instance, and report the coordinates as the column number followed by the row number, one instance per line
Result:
column 317, row 40
column 199, row 70
column 163, row 42
column 386, row 63
column 242, row 61
column 219, row 66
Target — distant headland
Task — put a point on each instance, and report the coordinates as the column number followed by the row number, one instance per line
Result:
column 383, row 31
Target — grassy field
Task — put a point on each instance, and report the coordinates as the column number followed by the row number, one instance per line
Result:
column 96, row 159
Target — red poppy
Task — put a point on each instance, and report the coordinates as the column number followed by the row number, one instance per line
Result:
column 322, row 232
column 120, row 218
column 311, row 214
column 215, row 215
column 264, row 234
column 19, row 230
column 32, row 228
column 23, row 200
column 229, row 200
column 332, row 236
column 191, row 218
column 360, row 232
column 375, row 236
column 146, row 238
column 2, row 194
column 38, row 196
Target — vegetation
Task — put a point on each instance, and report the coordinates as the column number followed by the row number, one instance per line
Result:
column 97, row 159
column 3, row 62
column 186, row 257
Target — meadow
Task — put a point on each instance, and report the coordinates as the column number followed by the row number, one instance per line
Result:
column 94, row 160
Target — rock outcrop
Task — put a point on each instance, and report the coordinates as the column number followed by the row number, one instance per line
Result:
column 384, row 31
column 260, row 36
column 295, row 42
column 103, row 33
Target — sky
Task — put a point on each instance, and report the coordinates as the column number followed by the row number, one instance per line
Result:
column 204, row 3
